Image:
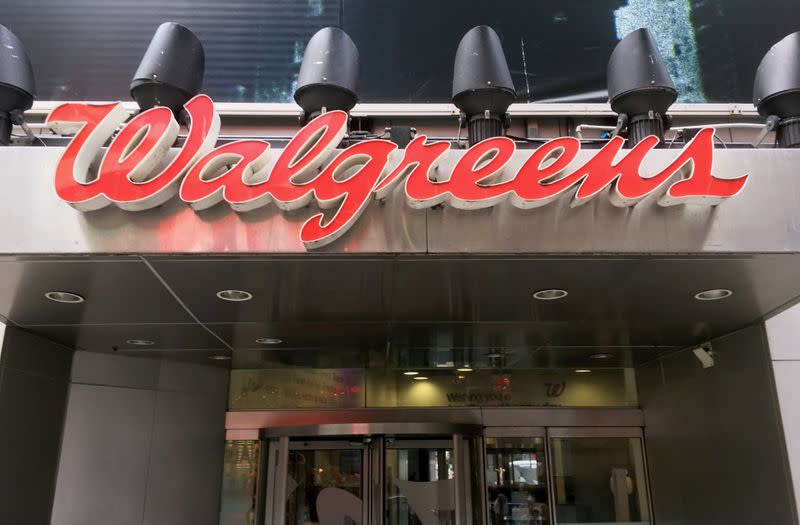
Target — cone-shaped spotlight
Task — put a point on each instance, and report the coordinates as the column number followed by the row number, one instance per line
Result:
column 776, row 92
column 640, row 88
column 171, row 71
column 482, row 86
column 16, row 82
column 328, row 78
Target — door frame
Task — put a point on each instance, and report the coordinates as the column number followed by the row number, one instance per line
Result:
column 280, row 442
column 276, row 427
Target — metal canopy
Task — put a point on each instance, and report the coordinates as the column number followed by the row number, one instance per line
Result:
column 336, row 311
column 402, row 278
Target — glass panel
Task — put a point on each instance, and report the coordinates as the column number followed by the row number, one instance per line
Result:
column 325, row 486
column 599, row 480
column 516, row 475
column 446, row 387
column 239, row 482
column 296, row 388
column 420, row 486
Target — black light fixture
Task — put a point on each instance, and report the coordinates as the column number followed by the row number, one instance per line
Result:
column 482, row 85
column 16, row 83
column 776, row 92
column 328, row 78
column 171, row 71
column 640, row 89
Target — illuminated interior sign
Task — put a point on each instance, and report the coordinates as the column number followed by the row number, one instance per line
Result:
column 136, row 173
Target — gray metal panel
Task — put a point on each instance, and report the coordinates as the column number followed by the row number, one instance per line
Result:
column 37, row 221
column 104, row 456
column 117, row 291
column 34, row 381
column 764, row 218
column 309, row 289
column 148, row 452
column 114, row 337
column 186, row 460
column 400, row 428
column 348, row 304
column 714, row 443
column 562, row 417
column 23, row 350
column 186, row 377
column 293, row 418
column 31, row 417
column 488, row 417
column 112, row 370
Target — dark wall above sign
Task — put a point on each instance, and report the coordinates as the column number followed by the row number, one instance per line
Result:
column 556, row 49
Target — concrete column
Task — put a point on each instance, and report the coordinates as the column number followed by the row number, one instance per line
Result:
column 783, row 335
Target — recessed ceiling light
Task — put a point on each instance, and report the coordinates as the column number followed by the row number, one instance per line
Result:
column 494, row 355
column 550, row 295
column 464, row 369
column 269, row 341
column 236, row 296
column 420, row 378
column 601, row 356
column 410, row 373
column 64, row 297
column 220, row 357
column 713, row 295
column 583, row 371
column 139, row 342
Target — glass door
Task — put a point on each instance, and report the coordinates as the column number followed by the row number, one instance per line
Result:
column 599, row 476
column 325, row 483
column 420, row 482
column 374, row 480
column 516, row 477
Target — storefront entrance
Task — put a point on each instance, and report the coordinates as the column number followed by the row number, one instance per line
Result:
column 451, row 474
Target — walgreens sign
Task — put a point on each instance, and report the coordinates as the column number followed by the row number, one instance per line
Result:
column 135, row 175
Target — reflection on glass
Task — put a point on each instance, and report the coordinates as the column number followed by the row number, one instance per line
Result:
column 239, row 481
column 296, row 388
column 324, row 486
column 517, row 478
column 388, row 387
column 599, row 480
column 420, row 486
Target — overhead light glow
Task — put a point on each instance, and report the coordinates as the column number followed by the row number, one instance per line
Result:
column 420, row 378
column 235, row 296
column 551, row 294
column 269, row 341
column 410, row 373
column 713, row 295
column 583, row 371
column 140, row 342
column 601, row 356
column 464, row 369
column 64, row 297
column 220, row 357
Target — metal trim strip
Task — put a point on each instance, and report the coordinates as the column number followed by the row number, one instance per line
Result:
column 273, row 109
